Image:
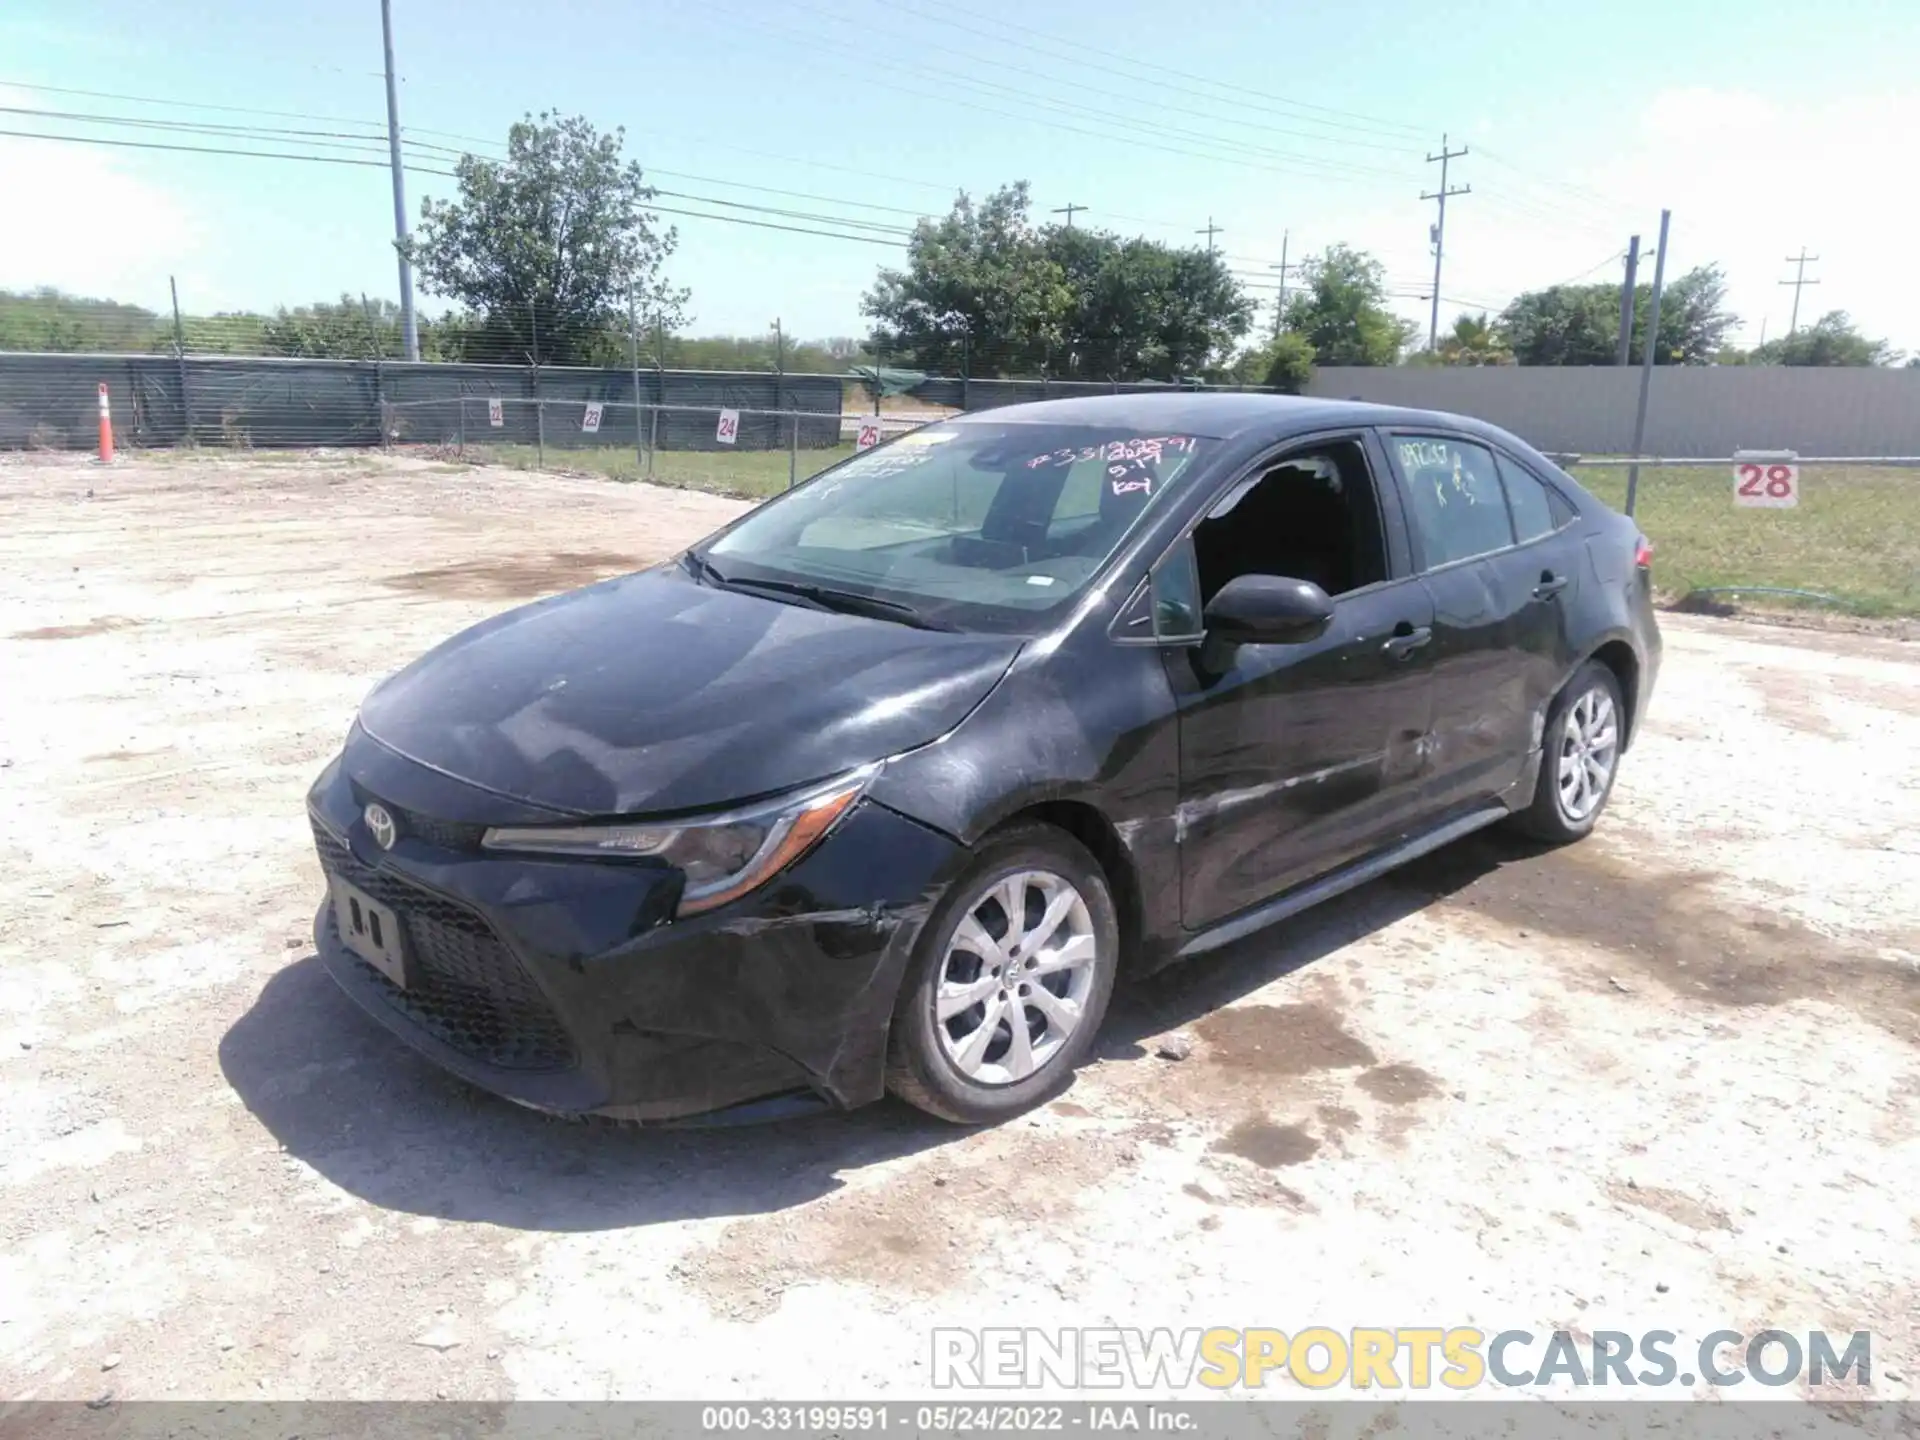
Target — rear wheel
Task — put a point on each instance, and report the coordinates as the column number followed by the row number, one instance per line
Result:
column 1579, row 757
column 1010, row 982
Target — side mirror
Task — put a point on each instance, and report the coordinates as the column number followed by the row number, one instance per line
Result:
column 1268, row 610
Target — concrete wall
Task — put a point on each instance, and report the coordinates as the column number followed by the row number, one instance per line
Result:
column 1692, row 411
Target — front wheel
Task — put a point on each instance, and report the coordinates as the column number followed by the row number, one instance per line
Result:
column 1010, row 980
column 1579, row 757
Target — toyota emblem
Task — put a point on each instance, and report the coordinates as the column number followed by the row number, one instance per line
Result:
column 380, row 825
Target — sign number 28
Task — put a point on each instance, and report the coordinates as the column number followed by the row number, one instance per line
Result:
column 1775, row 485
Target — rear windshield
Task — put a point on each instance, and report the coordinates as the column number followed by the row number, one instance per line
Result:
column 975, row 525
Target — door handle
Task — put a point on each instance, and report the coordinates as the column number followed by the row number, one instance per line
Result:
column 1550, row 585
column 1407, row 639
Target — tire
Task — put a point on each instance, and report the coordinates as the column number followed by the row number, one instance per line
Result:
column 1556, row 816
column 930, row 1062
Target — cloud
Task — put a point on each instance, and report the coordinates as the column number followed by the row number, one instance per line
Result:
column 1750, row 178
column 81, row 219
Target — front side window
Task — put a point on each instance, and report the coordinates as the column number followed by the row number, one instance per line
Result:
column 1455, row 503
column 1310, row 515
column 974, row 523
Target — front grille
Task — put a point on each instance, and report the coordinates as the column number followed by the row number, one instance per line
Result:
column 463, row 984
column 447, row 834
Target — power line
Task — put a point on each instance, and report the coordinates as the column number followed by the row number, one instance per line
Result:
column 1799, row 282
column 184, row 104
column 1440, row 230
column 1076, row 50
column 425, row 170
column 1133, row 133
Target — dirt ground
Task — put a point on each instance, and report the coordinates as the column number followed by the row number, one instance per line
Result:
column 1665, row 1079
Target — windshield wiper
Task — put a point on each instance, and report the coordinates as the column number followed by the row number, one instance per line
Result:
column 850, row 602
column 703, row 569
column 821, row 597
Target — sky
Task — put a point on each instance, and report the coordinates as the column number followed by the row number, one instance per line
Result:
column 1764, row 127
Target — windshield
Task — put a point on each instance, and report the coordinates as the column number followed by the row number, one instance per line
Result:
column 975, row 525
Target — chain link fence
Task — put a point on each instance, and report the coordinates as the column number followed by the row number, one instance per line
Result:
column 1850, row 542
column 744, row 451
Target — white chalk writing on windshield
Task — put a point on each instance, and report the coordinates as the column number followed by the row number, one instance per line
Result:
column 1147, row 448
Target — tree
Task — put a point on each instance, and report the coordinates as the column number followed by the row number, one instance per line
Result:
column 1830, row 340
column 1580, row 324
column 1284, row 362
column 1474, row 340
column 1341, row 310
column 545, row 246
column 984, row 287
column 351, row 330
column 1694, row 319
column 976, row 280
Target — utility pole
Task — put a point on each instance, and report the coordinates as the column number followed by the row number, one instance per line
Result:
column 1625, row 353
column 1799, row 280
column 1648, row 352
column 1439, row 231
column 409, row 327
column 1069, row 211
column 779, row 347
column 1280, row 305
column 1211, row 231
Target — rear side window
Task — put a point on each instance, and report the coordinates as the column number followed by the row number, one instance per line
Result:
column 1455, row 501
column 1534, row 511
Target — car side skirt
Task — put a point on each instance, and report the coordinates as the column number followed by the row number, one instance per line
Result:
column 1338, row 882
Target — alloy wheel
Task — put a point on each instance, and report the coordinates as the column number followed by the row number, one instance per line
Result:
column 1015, row 979
column 1589, row 748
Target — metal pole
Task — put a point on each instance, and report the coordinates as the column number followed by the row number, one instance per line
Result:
column 633, row 355
column 1280, row 305
column 408, row 326
column 1646, row 360
column 180, row 358
column 660, row 380
column 793, row 453
column 1624, row 355
column 966, row 368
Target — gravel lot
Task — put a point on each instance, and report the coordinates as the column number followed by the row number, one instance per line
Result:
column 1666, row 1079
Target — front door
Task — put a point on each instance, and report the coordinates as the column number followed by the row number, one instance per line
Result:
column 1296, row 758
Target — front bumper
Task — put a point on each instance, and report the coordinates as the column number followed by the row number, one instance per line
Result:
column 556, row 983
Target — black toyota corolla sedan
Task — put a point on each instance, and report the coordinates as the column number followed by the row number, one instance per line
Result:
column 882, row 786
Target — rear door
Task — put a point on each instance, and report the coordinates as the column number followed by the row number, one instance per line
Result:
column 1483, row 667
column 1545, row 566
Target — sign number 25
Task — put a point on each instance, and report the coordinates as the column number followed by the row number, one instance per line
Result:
column 1767, row 484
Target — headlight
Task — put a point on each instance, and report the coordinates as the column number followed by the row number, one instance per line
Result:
column 722, row 856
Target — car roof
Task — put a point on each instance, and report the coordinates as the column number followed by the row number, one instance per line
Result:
column 1218, row 416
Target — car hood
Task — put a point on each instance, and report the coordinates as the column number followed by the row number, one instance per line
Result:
column 654, row 692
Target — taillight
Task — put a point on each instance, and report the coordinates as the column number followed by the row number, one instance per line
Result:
column 1642, row 553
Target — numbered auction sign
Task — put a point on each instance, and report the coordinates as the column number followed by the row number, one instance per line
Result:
column 1768, row 479
column 868, row 435
column 496, row 415
column 590, row 422
column 728, row 430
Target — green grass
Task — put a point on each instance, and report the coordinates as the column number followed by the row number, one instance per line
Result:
column 1855, row 534
column 750, row 474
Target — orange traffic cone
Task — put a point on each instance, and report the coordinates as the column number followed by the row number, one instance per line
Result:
column 106, row 427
